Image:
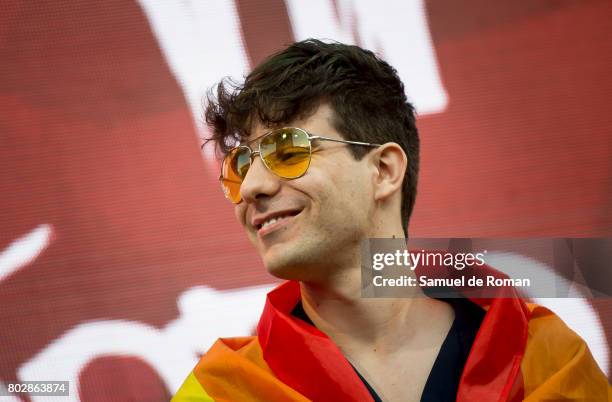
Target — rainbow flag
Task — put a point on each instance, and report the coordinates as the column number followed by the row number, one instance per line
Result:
column 521, row 352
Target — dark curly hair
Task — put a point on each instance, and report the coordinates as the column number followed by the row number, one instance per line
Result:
column 365, row 93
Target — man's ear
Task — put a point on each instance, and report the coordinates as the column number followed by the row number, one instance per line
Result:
column 390, row 162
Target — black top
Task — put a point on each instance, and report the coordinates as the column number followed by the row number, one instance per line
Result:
column 443, row 381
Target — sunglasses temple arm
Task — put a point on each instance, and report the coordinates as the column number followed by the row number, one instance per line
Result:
column 221, row 178
column 366, row 144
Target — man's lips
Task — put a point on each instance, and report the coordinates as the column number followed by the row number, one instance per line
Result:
column 269, row 222
column 258, row 221
column 275, row 225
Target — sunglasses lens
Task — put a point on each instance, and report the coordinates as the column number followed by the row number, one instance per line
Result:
column 235, row 167
column 286, row 152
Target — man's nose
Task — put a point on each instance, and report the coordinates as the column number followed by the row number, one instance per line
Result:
column 259, row 182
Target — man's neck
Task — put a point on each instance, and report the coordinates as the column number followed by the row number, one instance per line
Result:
column 361, row 325
column 393, row 343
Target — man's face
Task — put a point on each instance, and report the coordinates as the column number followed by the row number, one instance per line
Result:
column 321, row 217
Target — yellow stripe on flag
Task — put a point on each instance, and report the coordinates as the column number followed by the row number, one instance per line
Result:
column 191, row 391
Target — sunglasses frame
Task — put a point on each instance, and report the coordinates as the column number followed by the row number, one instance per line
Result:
column 311, row 137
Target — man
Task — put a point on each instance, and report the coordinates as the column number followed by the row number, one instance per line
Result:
column 321, row 153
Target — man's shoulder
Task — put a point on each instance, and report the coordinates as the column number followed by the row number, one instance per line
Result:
column 235, row 350
column 234, row 369
column 217, row 369
column 543, row 323
column 236, row 344
column 547, row 333
column 555, row 358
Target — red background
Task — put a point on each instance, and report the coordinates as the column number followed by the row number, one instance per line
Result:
column 98, row 141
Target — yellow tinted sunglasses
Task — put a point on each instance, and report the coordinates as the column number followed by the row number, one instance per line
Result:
column 286, row 152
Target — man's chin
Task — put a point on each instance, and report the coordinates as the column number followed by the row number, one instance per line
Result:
column 289, row 263
column 287, row 268
column 283, row 271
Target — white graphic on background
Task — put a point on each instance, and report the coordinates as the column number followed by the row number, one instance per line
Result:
column 205, row 315
column 202, row 43
column 24, row 250
column 396, row 29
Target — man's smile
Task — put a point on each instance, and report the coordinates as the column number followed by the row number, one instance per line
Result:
column 270, row 222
